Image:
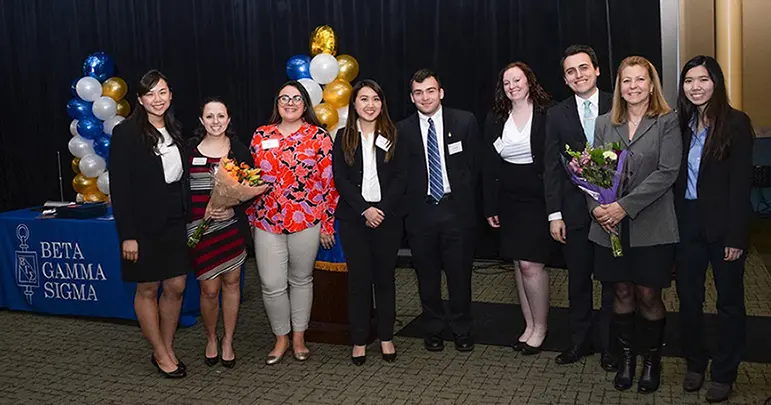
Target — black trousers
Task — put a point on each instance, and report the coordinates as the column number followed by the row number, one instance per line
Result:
column 371, row 256
column 579, row 258
column 437, row 241
column 693, row 254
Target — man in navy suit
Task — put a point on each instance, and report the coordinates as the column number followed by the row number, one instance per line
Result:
column 571, row 122
column 441, row 145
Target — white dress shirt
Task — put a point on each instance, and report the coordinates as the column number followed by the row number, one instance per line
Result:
column 439, row 127
column 370, row 184
column 516, row 143
column 594, row 106
column 170, row 158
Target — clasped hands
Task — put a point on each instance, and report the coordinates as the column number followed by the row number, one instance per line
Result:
column 373, row 217
column 609, row 215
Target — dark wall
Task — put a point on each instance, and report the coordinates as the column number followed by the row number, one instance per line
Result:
column 237, row 49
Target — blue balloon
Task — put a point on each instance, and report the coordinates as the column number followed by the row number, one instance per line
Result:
column 102, row 146
column 90, row 128
column 99, row 65
column 298, row 67
column 79, row 109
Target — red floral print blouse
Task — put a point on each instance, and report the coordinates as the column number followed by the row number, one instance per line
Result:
column 298, row 168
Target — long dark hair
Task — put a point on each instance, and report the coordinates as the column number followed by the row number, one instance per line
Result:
column 715, row 113
column 383, row 124
column 149, row 134
column 308, row 116
column 538, row 96
column 200, row 132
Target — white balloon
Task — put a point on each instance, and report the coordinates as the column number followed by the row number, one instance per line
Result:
column 92, row 165
column 342, row 114
column 80, row 146
column 313, row 89
column 89, row 89
column 74, row 128
column 324, row 68
column 110, row 124
column 79, row 198
column 103, row 182
column 104, row 108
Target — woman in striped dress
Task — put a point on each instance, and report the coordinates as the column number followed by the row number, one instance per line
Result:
column 218, row 257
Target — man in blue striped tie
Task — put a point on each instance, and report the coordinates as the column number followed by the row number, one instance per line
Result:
column 441, row 218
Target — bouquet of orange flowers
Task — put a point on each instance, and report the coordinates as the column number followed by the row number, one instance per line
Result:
column 233, row 184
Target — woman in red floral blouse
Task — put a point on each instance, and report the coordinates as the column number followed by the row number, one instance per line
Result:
column 293, row 216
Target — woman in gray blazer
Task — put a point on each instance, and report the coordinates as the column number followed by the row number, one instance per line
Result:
column 644, row 215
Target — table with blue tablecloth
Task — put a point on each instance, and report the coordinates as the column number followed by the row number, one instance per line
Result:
column 70, row 267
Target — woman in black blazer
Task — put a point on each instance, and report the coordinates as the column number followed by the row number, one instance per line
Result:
column 513, row 192
column 713, row 210
column 369, row 175
column 149, row 185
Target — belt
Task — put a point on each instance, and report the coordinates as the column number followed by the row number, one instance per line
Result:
column 445, row 198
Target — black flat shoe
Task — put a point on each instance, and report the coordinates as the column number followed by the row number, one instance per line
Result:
column 519, row 346
column 574, row 354
column 464, row 343
column 181, row 365
column 608, row 361
column 434, row 343
column 210, row 361
column 359, row 360
column 178, row 373
column 528, row 350
column 228, row 363
column 389, row 357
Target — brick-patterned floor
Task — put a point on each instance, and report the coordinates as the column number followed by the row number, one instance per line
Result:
column 56, row 360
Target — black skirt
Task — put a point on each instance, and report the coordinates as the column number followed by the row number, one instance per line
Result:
column 163, row 254
column 522, row 215
column 649, row 266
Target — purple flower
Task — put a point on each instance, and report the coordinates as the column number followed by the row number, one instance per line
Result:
column 574, row 166
column 585, row 158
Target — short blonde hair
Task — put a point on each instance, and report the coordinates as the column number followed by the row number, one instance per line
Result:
column 657, row 106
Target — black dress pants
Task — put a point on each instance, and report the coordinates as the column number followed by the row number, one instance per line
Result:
column 694, row 253
column 371, row 255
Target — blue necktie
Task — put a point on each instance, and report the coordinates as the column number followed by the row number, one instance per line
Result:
column 436, row 185
column 588, row 122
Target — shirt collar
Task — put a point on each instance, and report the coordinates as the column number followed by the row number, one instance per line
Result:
column 437, row 115
column 358, row 128
column 594, row 99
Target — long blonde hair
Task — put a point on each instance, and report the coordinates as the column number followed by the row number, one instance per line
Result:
column 657, row 105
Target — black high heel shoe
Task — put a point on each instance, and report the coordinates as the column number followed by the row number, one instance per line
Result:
column 229, row 363
column 178, row 373
column 210, row 361
column 359, row 360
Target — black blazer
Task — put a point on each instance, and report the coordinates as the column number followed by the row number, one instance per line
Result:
column 563, row 127
column 348, row 179
column 492, row 162
column 723, row 186
column 137, row 186
column 462, row 168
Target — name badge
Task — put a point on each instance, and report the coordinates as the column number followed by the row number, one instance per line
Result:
column 498, row 145
column 456, row 147
column 269, row 144
column 199, row 161
column 383, row 143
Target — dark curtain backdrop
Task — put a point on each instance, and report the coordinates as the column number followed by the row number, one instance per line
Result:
column 237, row 49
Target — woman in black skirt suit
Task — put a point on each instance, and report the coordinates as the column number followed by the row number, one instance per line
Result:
column 644, row 216
column 149, row 187
column 514, row 192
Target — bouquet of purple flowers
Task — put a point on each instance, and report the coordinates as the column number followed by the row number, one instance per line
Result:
column 597, row 172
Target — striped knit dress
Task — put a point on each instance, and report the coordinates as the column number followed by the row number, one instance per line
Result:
column 222, row 247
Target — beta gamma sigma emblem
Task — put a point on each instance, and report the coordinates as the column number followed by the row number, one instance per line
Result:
column 27, row 270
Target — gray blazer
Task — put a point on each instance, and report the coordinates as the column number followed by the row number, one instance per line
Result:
column 652, row 165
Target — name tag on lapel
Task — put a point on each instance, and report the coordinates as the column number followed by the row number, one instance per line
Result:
column 383, row 143
column 269, row 144
column 456, row 147
column 498, row 145
column 199, row 161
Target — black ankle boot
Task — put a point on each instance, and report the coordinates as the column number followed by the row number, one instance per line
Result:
column 652, row 335
column 627, row 362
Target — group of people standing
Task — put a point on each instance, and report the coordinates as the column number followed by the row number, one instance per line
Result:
column 684, row 200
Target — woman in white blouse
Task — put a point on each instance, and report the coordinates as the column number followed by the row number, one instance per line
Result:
column 513, row 192
column 369, row 172
column 150, row 203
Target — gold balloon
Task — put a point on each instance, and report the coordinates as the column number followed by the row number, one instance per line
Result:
column 124, row 108
column 349, row 68
column 75, row 165
column 337, row 93
column 327, row 114
column 115, row 88
column 323, row 40
column 82, row 184
column 94, row 196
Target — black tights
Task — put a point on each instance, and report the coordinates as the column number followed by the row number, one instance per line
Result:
column 646, row 300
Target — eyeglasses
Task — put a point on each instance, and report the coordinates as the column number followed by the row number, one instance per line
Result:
column 285, row 99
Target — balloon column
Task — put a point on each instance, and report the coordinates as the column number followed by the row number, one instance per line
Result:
column 97, row 107
column 326, row 78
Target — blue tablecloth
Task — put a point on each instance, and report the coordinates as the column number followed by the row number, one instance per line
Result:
column 69, row 267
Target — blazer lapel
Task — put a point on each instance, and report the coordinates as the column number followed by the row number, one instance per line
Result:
column 623, row 133
column 642, row 129
column 575, row 121
column 606, row 102
column 380, row 155
column 420, row 147
column 449, row 124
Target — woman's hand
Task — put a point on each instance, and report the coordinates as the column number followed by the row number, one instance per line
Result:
column 732, row 254
column 603, row 217
column 493, row 221
column 327, row 240
column 221, row 214
column 374, row 217
column 130, row 250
